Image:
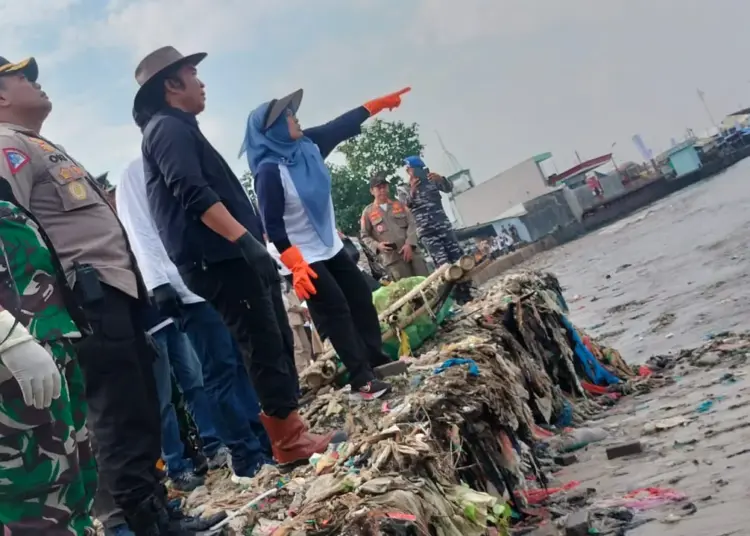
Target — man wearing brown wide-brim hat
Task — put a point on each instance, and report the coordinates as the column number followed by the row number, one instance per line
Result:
column 214, row 236
column 152, row 71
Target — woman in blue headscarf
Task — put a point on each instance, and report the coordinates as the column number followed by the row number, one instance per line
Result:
column 294, row 194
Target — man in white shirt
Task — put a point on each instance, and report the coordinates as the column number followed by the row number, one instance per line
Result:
column 234, row 408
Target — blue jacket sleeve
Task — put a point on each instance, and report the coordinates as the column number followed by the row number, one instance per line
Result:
column 174, row 150
column 445, row 185
column 346, row 126
column 271, row 201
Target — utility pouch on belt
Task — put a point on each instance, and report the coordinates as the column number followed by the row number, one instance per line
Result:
column 87, row 283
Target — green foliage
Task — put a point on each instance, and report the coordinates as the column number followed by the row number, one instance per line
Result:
column 350, row 194
column 382, row 146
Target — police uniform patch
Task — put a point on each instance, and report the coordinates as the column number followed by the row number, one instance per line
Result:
column 77, row 190
column 16, row 159
column 70, row 173
column 43, row 145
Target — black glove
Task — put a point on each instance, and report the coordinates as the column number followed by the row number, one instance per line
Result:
column 167, row 301
column 253, row 251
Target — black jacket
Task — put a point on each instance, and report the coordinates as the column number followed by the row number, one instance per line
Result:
column 185, row 176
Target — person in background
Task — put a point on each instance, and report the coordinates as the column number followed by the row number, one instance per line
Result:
column 294, row 194
column 433, row 226
column 213, row 234
column 484, row 249
column 226, row 407
column 388, row 227
column 312, row 323
column 298, row 315
column 513, row 230
column 176, row 356
column 50, row 490
column 354, row 248
column 316, row 341
column 107, row 512
column 510, row 243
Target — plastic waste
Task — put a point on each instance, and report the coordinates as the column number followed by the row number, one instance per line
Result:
column 535, row 496
column 664, row 424
column 644, row 499
column 418, row 331
column 457, row 361
column 577, row 439
column 580, row 438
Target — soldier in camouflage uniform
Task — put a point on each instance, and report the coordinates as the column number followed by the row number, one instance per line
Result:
column 47, row 469
column 434, row 228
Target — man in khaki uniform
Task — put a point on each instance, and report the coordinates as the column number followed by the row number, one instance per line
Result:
column 95, row 256
column 388, row 227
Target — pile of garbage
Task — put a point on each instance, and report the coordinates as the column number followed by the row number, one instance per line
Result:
column 452, row 450
column 719, row 348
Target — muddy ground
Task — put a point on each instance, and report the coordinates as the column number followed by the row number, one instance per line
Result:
column 664, row 279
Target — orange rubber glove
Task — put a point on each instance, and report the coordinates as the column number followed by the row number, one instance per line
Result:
column 302, row 274
column 390, row 101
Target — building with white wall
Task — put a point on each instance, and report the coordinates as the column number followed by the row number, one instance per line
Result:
column 486, row 201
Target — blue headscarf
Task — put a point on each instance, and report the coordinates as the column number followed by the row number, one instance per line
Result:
column 303, row 160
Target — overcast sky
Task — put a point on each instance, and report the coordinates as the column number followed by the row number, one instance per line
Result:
column 500, row 80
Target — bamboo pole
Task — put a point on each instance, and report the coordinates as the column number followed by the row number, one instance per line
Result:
column 467, row 263
column 413, row 293
column 437, row 303
column 454, row 273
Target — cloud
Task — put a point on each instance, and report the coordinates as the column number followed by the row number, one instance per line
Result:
column 25, row 20
column 500, row 80
column 446, row 22
column 504, row 80
column 100, row 145
column 22, row 14
column 190, row 25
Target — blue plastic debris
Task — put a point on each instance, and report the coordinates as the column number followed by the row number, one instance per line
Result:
column 566, row 416
column 596, row 373
column 457, row 361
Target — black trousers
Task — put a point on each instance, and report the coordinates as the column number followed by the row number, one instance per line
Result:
column 249, row 301
column 121, row 394
column 343, row 310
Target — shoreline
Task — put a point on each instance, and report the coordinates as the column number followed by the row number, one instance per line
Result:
column 693, row 432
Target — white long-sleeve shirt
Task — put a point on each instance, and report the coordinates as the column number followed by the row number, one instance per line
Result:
column 132, row 208
column 275, row 255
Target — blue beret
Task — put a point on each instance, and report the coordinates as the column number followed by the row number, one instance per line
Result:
column 414, row 161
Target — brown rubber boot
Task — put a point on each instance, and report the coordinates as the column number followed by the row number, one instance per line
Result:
column 291, row 441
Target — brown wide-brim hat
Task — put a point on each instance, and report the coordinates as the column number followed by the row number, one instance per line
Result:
column 156, row 63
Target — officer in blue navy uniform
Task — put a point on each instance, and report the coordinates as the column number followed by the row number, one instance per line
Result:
column 434, row 228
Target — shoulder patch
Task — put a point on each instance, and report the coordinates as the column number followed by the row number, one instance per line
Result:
column 16, row 159
column 43, row 145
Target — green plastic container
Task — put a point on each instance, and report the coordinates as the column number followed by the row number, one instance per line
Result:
column 418, row 331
